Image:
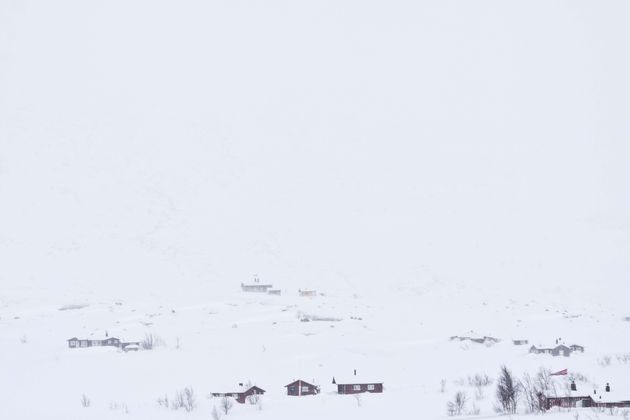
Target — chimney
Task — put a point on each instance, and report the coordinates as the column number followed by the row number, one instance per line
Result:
column 355, row 372
column 607, row 387
column 573, row 386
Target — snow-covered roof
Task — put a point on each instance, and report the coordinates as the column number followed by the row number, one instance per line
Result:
column 612, row 396
column 356, row 379
column 304, row 381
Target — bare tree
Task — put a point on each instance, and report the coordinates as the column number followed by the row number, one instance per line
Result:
column 507, row 391
column 443, row 386
column 163, row 401
column 253, row 399
column 151, row 341
column 226, row 405
column 216, row 415
column 531, row 390
column 479, row 380
column 185, row 399
column 85, row 401
column 456, row 407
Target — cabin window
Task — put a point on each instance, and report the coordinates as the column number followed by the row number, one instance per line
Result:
column 370, row 387
column 235, row 395
column 304, row 389
column 356, row 387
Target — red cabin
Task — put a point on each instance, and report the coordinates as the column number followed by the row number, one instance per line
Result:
column 299, row 388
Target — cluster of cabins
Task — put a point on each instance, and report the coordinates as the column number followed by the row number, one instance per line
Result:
column 258, row 287
column 559, row 350
column 299, row 388
column 478, row 340
column 577, row 399
column 75, row 343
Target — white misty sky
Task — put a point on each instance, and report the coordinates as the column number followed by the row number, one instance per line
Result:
column 314, row 141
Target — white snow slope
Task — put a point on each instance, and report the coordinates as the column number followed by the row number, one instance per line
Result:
column 435, row 168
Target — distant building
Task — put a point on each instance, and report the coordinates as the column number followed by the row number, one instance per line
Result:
column 74, row 342
column 520, row 342
column 307, row 293
column 256, row 287
column 560, row 350
column 131, row 347
column 571, row 401
column 241, row 396
column 299, row 388
column 357, row 385
column 575, row 347
column 276, row 292
column 607, row 399
column 478, row 340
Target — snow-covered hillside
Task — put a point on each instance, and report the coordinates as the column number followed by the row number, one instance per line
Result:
column 434, row 168
column 212, row 343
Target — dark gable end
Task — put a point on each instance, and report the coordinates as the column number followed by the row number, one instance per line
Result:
column 301, row 388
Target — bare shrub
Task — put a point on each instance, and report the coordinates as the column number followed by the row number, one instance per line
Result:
column 151, row 341
column 253, row 399
column 545, row 382
column 216, row 414
column 85, row 401
column 23, row 339
column 443, row 386
column 474, row 411
column 508, row 391
column 623, row 358
column 357, row 398
column 163, row 401
column 119, row 406
column 479, row 380
column 605, row 361
column 479, row 395
column 455, row 407
column 226, row 405
column 578, row 377
column 185, row 399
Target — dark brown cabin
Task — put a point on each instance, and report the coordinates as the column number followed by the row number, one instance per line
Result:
column 241, row 397
column 567, row 402
column 299, row 388
column 374, row 387
column 580, row 401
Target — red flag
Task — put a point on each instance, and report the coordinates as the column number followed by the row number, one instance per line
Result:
column 560, row 373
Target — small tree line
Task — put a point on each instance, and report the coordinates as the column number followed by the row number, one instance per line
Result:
column 510, row 392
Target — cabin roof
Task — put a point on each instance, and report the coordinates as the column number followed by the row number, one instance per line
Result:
column 356, row 380
column 299, row 380
column 232, row 389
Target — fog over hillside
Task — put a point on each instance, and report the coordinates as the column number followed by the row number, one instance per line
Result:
column 168, row 145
